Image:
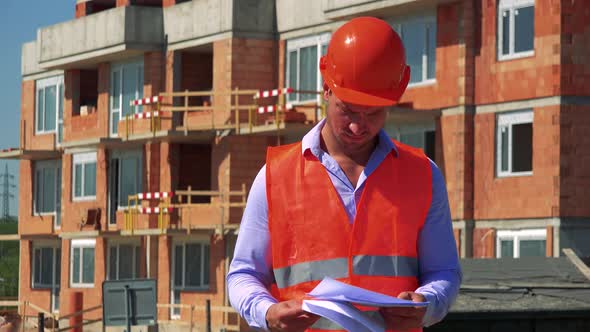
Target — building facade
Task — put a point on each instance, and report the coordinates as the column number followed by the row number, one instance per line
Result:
column 497, row 98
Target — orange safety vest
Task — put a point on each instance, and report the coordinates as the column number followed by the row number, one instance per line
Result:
column 311, row 235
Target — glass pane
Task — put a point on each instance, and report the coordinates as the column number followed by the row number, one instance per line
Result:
column 90, row 179
column 414, row 35
column 40, row 104
column 58, row 197
column 137, row 262
column 116, row 90
column 129, row 89
column 38, row 191
column 37, row 278
column 431, row 52
column 414, row 139
column 532, row 248
column 139, row 87
column 47, row 266
column 193, row 265
column 176, row 310
column 76, row 266
column 206, row 265
column 58, row 267
column 292, row 74
column 88, row 266
column 125, row 262
column 430, row 144
column 128, row 179
column 60, row 115
column 507, row 248
column 522, row 147
column 113, row 263
column 48, row 190
column 78, row 180
column 178, row 266
column 50, row 108
column 308, row 71
column 524, row 29
column 115, row 117
column 504, row 149
column 505, row 32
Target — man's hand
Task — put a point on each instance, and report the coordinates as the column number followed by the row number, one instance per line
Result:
column 405, row 318
column 288, row 316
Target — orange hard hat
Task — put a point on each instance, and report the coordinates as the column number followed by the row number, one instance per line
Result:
column 366, row 63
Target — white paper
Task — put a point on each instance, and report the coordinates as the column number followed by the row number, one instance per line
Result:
column 333, row 290
column 344, row 314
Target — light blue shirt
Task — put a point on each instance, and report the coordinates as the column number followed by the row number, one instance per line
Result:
column 250, row 273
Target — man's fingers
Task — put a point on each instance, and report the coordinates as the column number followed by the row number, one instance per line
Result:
column 405, row 296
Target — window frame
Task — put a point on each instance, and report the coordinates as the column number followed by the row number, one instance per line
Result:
column 509, row 119
column 38, row 166
column 175, row 314
column 42, row 84
column 296, row 44
column 119, row 156
column 83, row 159
column 119, row 67
column 81, row 244
column 117, row 244
column 516, row 236
column 510, row 6
column 429, row 19
column 396, row 129
column 55, row 247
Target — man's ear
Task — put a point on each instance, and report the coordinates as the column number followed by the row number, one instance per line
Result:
column 327, row 91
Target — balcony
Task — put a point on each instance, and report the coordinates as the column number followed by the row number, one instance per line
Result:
column 201, row 22
column 339, row 9
column 110, row 35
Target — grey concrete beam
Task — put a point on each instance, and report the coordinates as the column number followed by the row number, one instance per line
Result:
column 342, row 9
column 296, row 15
column 532, row 103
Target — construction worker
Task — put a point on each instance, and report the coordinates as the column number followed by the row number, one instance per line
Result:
column 347, row 202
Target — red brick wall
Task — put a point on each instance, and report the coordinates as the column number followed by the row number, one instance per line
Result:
column 484, row 243
column 29, row 223
column 39, row 297
column 575, row 68
column 525, row 78
column 520, row 196
column 574, row 149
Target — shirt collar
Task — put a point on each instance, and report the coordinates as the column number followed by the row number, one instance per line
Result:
column 311, row 141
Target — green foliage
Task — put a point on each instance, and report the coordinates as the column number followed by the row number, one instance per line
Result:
column 9, row 256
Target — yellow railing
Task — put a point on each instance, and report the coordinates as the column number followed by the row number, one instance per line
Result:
column 193, row 324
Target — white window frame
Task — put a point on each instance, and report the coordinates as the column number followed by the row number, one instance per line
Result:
column 511, row 6
column 120, row 67
column 42, row 84
column 81, row 244
column 428, row 19
column 202, row 287
column 117, row 244
column 41, row 165
column 508, row 120
column 83, row 159
column 516, row 236
column 296, row 45
column 118, row 156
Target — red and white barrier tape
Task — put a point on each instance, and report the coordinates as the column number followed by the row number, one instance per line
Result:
column 146, row 101
column 272, row 93
column 156, row 195
column 272, row 108
column 146, row 115
column 154, row 210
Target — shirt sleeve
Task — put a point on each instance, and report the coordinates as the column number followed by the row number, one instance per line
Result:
column 250, row 273
column 440, row 271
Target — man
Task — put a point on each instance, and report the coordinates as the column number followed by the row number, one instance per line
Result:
column 347, row 202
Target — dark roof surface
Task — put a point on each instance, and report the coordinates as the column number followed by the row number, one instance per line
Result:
column 532, row 284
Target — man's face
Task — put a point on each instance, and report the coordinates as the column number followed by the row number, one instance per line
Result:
column 353, row 126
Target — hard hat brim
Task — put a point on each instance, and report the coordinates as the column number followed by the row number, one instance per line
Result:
column 376, row 98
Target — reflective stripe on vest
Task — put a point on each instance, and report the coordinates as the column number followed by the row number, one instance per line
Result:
column 325, row 324
column 386, row 266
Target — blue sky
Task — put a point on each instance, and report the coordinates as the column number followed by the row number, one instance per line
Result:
column 19, row 21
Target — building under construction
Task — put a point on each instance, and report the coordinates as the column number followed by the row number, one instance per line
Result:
column 144, row 122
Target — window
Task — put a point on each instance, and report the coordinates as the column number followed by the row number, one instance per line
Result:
column 514, row 140
column 82, row 263
column 303, row 56
column 125, row 177
column 49, row 104
column 419, row 37
column 516, row 28
column 190, row 270
column 521, row 243
column 84, row 179
column 47, row 182
column 45, row 266
column 126, row 85
column 123, row 261
column 418, row 135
